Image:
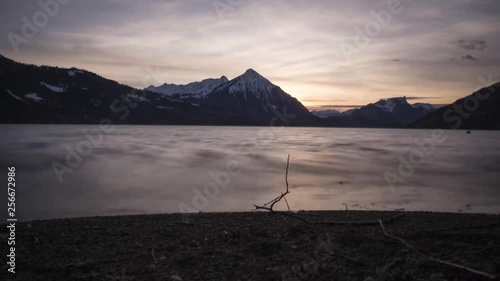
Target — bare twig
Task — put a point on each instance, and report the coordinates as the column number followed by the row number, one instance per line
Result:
column 477, row 272
column 286, row 171
column 288, row 206
column 270, row 205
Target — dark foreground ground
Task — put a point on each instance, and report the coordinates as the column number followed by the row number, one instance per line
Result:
column 255, row 246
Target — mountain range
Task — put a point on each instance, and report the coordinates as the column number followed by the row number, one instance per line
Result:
column 194, row 89
column 45, row 94
column 479, row 111
column 387, row 113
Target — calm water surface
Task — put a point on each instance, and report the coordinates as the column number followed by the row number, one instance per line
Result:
column 157, row 169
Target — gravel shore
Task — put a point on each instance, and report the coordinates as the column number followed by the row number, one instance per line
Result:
column 257, row 246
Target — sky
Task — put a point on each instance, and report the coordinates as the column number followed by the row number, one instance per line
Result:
column 329, row 54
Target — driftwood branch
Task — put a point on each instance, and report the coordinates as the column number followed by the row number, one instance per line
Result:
column 468, row 269
column 270, row 205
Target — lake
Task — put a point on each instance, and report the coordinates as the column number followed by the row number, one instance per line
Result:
column 84, row 170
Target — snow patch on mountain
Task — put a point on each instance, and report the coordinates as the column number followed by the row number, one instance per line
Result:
column 74, row 71
column 252, row 82
column 14, row 95
column 55, row 89
column 425, row 106
column 96, row 102
column 34, row 97
column 165, row 107
column 138, row 98
column 389, row 104
column 332, row 113
column 195, row 89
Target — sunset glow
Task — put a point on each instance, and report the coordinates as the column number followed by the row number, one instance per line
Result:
column 429, row 52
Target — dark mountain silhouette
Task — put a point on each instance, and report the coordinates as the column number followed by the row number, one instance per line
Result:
column 43, row 94
column 479, row 111
column 387, row 113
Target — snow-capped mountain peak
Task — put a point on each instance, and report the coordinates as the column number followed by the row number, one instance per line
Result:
column 252, row 82
column 389, row 104
column 250, row 71
column 252, row 93
column 194, row 89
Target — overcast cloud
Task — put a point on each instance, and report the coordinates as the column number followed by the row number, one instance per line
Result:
column 432, row 51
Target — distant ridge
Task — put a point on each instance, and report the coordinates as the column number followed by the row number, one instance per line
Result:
column 385, row 113
column 194, row 89
column 44, row 94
